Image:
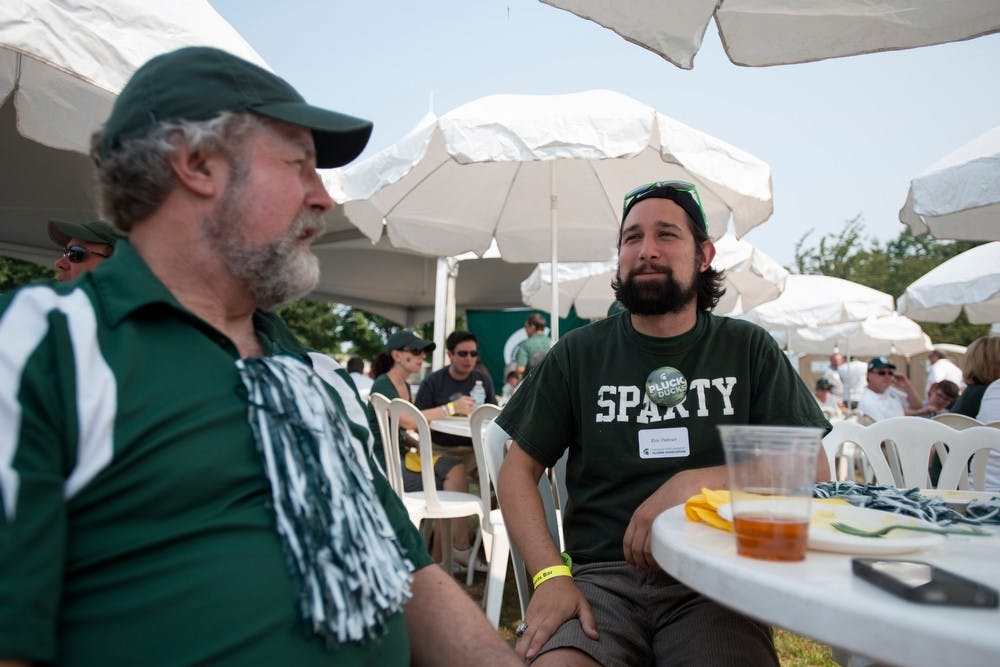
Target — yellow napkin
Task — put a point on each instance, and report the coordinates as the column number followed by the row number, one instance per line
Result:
column 412, row 461
column 704, row 507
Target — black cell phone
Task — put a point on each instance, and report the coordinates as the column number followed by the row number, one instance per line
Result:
column 922, row 582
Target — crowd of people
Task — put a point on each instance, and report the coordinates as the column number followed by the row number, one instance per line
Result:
column 182, row 481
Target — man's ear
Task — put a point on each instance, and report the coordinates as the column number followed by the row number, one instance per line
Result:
column 707, row 255
column 199, row 171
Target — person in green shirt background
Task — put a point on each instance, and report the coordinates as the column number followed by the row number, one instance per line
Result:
column 531, row 350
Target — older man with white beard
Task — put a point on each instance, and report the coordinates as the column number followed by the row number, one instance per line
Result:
column 176, row 484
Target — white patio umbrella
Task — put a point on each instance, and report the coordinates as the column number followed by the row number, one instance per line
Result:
column 752, row 278
column 958, row 197
column 889, row 334
column 816, row 301
column 62, row 64
column 970, row 280
column 521, row 168
column 778, row 32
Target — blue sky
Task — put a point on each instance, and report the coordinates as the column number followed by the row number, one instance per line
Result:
column 842, row 136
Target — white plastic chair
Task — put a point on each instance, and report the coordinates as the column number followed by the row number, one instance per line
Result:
column 852, row 435
column 552, row 489
column 908, row 443
column 393, row 472
column 959, row 423
column 977, row 441
column 496, row 543
column 430, row 503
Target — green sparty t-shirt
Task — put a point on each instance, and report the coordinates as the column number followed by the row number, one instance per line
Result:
column 135, row 518
column 589, row 395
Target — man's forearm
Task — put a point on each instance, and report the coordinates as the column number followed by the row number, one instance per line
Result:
column 527, row 527
column 447, row 628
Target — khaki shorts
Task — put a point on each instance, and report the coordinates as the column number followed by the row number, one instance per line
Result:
column 649, row 618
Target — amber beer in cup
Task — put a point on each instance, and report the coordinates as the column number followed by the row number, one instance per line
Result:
column 772, row 470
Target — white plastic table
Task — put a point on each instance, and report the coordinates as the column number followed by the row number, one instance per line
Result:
column 453, row 426
column 820, row 597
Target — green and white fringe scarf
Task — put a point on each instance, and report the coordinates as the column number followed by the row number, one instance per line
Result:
column 349, row 569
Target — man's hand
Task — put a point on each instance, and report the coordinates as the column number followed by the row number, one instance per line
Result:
column 638, row 541
column 554, row 602
column 464, row 405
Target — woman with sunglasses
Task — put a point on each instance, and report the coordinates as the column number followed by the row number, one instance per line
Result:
column 403, row 356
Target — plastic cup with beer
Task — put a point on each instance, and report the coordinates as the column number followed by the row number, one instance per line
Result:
column 772, row 470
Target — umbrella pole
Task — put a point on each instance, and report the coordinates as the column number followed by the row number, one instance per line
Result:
column 553, row 220
column 440, row 311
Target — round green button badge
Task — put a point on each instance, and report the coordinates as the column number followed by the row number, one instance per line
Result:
column 666, row 386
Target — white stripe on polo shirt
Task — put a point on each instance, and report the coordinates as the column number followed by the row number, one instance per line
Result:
column 22, row 328
column 329, row 370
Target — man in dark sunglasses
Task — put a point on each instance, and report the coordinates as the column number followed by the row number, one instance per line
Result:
column 84, row 246
column 889, row 393
column 636, row 399
column 454, row 383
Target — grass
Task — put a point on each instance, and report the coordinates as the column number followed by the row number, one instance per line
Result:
column 793, row 650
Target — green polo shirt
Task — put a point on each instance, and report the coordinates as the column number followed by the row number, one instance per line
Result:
column 135, row 526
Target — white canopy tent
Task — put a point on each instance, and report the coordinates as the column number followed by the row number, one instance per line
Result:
column 62, row 64
column 520, row 169
column 970, row 280
column 958, row 197
column 403, row 285
column 779, row 32
column 752, row 278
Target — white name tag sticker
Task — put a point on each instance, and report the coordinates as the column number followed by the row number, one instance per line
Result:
column 663, row 443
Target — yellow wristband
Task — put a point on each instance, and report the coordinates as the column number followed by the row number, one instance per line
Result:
column 450, row 407
column 548, row 573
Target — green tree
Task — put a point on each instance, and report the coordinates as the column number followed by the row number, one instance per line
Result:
column 853, row 255
column 14, row 273
column 315, row 323
column 365, row 331
column 340, row 329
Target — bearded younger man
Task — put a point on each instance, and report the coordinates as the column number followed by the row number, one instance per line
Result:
column 666, row 369
column 178, row 487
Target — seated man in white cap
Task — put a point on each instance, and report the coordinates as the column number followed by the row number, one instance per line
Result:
column 84, row 246
column 888, row 394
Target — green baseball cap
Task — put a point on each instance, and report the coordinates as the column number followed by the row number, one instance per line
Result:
column 408, row 339
column 197, row 83
column 93, row 232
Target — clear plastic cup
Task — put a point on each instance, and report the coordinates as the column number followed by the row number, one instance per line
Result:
column 772, row 470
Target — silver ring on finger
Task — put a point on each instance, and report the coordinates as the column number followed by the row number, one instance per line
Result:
column 521, row 629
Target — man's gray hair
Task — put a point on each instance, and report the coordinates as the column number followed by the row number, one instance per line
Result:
column 134, row 180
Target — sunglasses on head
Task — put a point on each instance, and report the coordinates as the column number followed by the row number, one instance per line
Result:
column 884, row 371
column 678, row 186
column 466, row 353
column 76, row 254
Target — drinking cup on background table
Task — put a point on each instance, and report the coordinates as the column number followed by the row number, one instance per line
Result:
column 772, row 470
